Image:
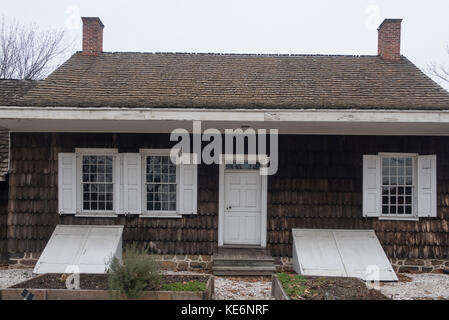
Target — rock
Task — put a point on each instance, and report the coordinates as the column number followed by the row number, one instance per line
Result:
column 408, row 269
column 414, row 262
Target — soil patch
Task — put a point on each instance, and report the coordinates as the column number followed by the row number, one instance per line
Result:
column 96, row 281
column 299, row 287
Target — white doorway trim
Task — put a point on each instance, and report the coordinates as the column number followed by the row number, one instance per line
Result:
column 221, row 204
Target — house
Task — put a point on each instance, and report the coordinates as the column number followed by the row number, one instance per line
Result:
column 9, row 91
column 362, row 144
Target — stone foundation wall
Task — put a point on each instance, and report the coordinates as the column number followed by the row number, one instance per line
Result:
column 419, row 265
column 185, row 262
column 205, row 262
column 168, row 262
column 285, row 264
column 24, row 260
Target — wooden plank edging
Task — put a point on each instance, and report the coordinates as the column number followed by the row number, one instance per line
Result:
column 277, row 291
column 64, row 294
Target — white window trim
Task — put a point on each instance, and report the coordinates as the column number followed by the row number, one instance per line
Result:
column 399, row 217
column 157, row 214
column 79, row 172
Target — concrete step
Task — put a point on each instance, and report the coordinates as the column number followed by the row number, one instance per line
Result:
column 243, row 271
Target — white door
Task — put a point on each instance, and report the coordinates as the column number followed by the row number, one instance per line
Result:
column 242, row 208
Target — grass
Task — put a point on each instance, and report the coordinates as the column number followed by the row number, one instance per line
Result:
column 184, row 286
column 294, row 285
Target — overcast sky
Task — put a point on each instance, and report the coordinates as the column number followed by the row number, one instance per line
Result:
column 248, row 26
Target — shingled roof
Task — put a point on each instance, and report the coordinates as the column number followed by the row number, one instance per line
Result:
column 237, row 81
column 10, row 92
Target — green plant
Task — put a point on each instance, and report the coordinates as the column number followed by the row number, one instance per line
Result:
column 294, row 285
column 184, row 286
column 138, row 271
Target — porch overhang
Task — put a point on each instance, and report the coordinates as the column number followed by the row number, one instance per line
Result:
column 300, row 121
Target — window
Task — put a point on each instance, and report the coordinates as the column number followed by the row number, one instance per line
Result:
column 97, row 182
column 243, row 166
column 398, row 185
column 161, row 183
column 103, row 182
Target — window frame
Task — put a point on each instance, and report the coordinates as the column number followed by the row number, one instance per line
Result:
column 145, row 153
column 80, row 152
column 414, row 215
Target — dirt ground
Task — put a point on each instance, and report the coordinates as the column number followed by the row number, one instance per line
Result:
column 93, row 281
column 322, row 288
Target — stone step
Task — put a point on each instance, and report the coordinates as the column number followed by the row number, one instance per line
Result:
column 242, row 250
column 243, row 261
column 243, row 271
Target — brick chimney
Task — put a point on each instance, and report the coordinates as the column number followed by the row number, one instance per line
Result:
column 390, row 39
column 92, row 36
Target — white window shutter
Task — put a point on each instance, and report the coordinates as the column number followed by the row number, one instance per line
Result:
column 371, row 186
column 67, row 183
column 188, row 188
column 132, row 183
column 119, row 185
column 427, row 186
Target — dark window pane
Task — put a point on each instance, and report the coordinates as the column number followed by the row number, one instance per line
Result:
column 393, row 199
column 385, row 209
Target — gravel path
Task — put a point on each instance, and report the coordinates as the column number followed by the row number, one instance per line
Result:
column 238, row 288
column 247, row 288
column 9, row 277
column 421, row 286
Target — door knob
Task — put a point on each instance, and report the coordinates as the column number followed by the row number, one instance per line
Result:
column 228, row 208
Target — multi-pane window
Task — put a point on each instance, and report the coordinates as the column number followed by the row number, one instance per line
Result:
column 97, row 182
column 160, row 183
column 243, row 166
column 398, row 185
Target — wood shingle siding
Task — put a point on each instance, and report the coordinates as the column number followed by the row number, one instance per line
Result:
column 318, row 185
column 3, row 222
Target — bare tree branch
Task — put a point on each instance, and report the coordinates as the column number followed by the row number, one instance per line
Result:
column 440, row 71
column 26, row 52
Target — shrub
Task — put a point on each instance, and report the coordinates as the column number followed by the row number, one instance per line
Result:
column 138, row 271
